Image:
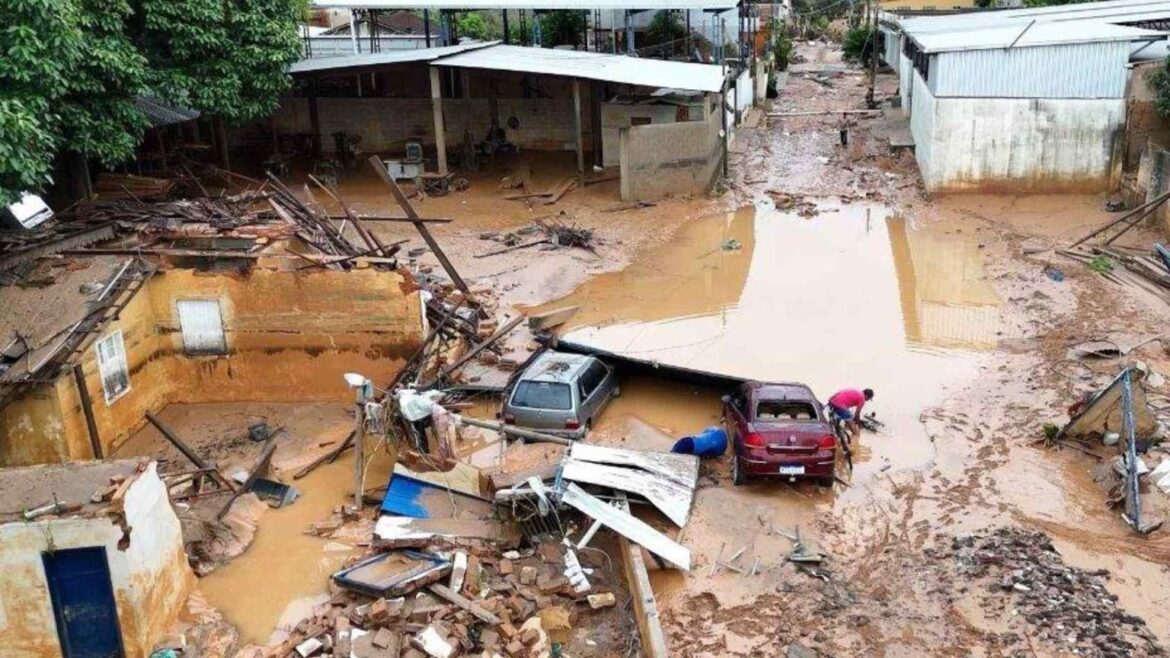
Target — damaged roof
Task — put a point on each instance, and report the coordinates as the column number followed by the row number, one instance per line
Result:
column 1024, row 35
column 72, row 483
column 620, row 69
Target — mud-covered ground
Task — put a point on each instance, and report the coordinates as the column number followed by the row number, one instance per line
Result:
column 966, row 399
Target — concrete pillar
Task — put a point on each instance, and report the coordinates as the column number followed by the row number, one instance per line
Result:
column 427, row 25
column 577, row 128
column 314, row 121
column 506, row 38
column 437, row 108
column 629, row 34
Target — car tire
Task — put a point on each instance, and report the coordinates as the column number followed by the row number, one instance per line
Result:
column 738, row 478
column 826, row 481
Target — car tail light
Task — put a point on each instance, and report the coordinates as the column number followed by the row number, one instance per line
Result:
column 827, row 441
column 509, row 419
column 753, row 440
column 572, row 424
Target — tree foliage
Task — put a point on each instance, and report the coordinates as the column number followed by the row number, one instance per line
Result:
column 783, row 47
column 665, row 27
column 1159, row 82
column 70, row 71
column 860, row 44
column 473, row 25
column 562, row 27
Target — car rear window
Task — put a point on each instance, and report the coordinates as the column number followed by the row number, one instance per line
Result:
column 543, row 395
column 784, row 410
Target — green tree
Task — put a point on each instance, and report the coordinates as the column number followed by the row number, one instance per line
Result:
column 226, row 59
column 665, row 27
column 39, row 42
column 99, row 118
column 860, row 44
column 1159, row 82
column 782, row 46
column 563, row 27
column 472, row 25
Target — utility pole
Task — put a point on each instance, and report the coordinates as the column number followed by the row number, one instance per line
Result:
column 873, row 57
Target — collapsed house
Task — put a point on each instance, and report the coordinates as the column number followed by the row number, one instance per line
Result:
column 91, row 560
column 123, row 308
column 995, row 101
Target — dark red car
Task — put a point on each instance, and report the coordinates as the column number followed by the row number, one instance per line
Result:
column 779, row 431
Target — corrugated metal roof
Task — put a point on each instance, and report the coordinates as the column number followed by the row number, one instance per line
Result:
column 1114, row 11
column 592, row 66
column 1038, row 34
column 161, row 114
column 528, row 4
column 380, row 59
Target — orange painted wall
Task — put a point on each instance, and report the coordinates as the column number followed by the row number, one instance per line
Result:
column 290, row 337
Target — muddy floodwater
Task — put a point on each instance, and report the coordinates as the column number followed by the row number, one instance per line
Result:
column 285, row 572
column 852, row 297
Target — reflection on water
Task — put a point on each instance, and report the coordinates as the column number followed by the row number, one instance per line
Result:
column 850, row 299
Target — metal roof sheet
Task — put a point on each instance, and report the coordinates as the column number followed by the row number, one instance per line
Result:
column 1026, row 34
column 161, row 114
column 592, row 66
column 316, row 65
column 528, row 4
column 1115, row 11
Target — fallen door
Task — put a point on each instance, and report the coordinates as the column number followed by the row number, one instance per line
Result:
column 83, row 603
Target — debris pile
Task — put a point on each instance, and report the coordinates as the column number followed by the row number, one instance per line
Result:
column 1070, row 608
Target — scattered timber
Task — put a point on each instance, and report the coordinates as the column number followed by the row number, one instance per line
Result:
column 190, row 454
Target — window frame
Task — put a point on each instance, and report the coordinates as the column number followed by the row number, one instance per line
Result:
column 112, row 344
column 194, row 351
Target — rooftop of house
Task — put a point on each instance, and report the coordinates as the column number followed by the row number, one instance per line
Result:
column 75, row 485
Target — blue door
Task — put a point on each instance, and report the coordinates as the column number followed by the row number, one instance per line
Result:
column 83, row 603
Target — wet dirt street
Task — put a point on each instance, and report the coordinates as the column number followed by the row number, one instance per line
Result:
column 943, row 306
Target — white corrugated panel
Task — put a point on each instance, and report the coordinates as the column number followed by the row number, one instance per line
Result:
column 202, row 326
column 404, row 56
column 591, row 66
column 1090, row 70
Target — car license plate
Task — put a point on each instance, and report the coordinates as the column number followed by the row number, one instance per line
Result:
column 791, row 470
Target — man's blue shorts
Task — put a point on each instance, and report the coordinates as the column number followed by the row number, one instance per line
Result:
column 841, row 414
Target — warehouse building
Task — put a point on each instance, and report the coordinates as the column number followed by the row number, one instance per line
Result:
column 1030, row 99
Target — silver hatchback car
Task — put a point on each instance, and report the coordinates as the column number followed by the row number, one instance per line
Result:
column 561, row 394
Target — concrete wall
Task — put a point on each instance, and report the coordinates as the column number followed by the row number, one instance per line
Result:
column 1010, row 145
column 150, row 575
column 1143, row 123
column 290, row 337
column 384, row 124
column 616, row 116
column 670, row 158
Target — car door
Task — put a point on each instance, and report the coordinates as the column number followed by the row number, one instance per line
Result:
column 733, row 416
column 591, row 391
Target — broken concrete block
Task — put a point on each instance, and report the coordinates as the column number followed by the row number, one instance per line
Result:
column 555, row 621
column 528, row 575
column 550, row 552
column 434, row 643
column 384, row 638
column 342, row 636
column 505, row 567
column 472, row 582
column 599, row 601
column 515, row 648
column 508, row 630
column 458, row 571
column 489, row 638
column 309, row 647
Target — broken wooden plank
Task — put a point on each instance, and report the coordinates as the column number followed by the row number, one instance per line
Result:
column 671, row 498
column 422, row 229
column 628, row 526
column 396, row 531
column 514, row 248
column 392, row 218
column 515, row 431
column 553, row 318
column 260, row 466
column 471, row 353
column 464, row 603
column 330, row 457
column 190, row 454
column 683, row 469
column 642, row 595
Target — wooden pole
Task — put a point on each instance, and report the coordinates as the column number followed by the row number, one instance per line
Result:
column 514, row 431
column 404, row 203
column 1121, row 219
column 577, row 129
column 437, row 109
column 190, row 454
column 87, row 409
column 359, row 454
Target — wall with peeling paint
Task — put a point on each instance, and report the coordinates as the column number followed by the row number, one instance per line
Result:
column 290, row 337
column 150, row 575
column 1014, row 144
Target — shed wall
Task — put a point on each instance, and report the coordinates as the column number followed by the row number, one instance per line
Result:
column 150, row 576
column 670, row 158
column 1089, row 70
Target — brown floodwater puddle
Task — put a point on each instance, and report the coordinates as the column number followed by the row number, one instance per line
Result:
column 854, row 297
column 284, row 572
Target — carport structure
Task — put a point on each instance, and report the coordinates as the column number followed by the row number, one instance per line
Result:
column 657, row 119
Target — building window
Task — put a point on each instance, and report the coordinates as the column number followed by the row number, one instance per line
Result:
column 202, row 326
column 111, row 358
